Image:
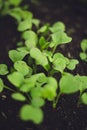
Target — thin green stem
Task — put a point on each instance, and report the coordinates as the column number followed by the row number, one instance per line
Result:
column 54, row 48
column 28, row 98
column 56, row 100
column 9, row 88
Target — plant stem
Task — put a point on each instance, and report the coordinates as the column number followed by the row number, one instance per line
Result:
column 9, row 88
column 54, row 49
column 28, row 98
column 56, row 100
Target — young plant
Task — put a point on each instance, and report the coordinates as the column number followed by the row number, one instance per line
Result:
column 83, row 54
column 35, row 63
column 6, row 5
column 23, row 17
column 35, row 87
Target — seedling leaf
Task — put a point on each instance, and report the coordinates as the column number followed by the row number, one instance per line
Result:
column 49, row 90
column 28, row 112
column 58, row 26
column 18, row 96
column 43, row 43
column 60, row 37
column 68, row 84
column 59, row 64
column 36, row 92
column 36, row 22
column 1, row 85
column 15, row 2
column 3, row 69
column 16, row 79
column 22, row 67
column 84, row 98
column 83, row 56
column 17, row 55
column 84, row 45
column 37, row 102
column 24, row 25
column 39, row 57
column 44, row 29
column 82, row 82
column 72, row 64
column 31, row 39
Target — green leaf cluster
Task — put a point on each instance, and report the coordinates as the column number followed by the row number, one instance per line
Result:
column 38, row 49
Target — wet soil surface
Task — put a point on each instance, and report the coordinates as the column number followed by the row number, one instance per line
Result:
column 68, row 115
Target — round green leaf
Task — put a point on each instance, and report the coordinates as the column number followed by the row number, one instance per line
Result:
column 24, row 25
column 36, row 92
column 28, row 112
column 72, row 64
column 31, row 36
column 26, row 87
column 18, row 97
column 26, row 15
column 52, row 81
column 58, row 26
column 44, row 28
column 49, row 92
column 68, row 84
column 15, row 2
column 59, row 64
column 21, row 67
column 37, row 102
column 38, row 56
column 3, row 69
column 84, row 44
column 16, row 13
column 16, row 78
column 83, row 56
column 82, row 82
column 36, row 22
column 84, row 98
column 17, row 55
column 60, row 37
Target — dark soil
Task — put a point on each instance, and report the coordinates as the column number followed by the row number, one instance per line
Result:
column 68, row 115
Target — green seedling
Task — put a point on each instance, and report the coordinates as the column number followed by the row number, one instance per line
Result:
column 83, row 54
column 7, row 4
column 34, row 86
column 31, row 86
column 23, row 17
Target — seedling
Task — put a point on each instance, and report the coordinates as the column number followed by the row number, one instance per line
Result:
column 38, row 49
column 23, row 17
column 34, row 87
column 83, row 54
column 6, row 5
